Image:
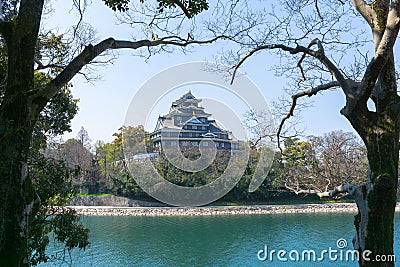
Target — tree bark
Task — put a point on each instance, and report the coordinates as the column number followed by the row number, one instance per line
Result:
column 377, row 198
column 17, row 197
column 379, row 130
column 374, row 222
column 19, row 109
column 18, row 115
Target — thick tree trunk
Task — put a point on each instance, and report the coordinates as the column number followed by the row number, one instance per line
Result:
column 376, row 200
column 18, row 114
column 17, row 199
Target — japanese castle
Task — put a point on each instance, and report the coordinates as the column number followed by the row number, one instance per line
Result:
column 188, row 125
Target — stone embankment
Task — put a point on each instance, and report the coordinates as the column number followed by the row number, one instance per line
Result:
column 217, row 210
column 113, row 201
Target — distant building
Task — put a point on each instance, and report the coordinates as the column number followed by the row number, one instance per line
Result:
column 188, row 125
column 145, row 156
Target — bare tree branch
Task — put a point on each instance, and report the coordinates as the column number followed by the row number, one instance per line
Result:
column 90, row 52
column 237, row 66
column 346, row 188
column 318, row 54
column 308, row 93
column 299, row 64
column 341, row 189
column 41, row 66
column 299, row 191
column 317, row 8
column 184, row 9
column 81, row 8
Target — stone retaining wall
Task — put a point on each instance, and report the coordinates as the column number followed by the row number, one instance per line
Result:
column 113, row 201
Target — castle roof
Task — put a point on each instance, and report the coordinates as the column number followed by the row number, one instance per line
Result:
column 186, row 116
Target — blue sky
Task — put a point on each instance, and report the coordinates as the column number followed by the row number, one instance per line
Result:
column 104, row 103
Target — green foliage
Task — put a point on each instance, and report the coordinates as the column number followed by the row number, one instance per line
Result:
column 183, row 178
column 332, row 159
column 117, row 5
column 110, row 161
column 190, row 7
column 54, row 119
column 56, row 116
column 311, row 164
column 52, row 51
column 193, row 7
column 297, row 152
column 69, row 231
column 52, row 180
column 323, row 162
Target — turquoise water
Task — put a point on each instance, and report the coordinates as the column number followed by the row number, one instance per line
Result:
column 213, row 240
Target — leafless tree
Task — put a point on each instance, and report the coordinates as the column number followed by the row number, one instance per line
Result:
column 332, row 159
column 347, row 46
column 31, row 49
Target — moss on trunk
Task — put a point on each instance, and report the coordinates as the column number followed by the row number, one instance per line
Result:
column 381, row 195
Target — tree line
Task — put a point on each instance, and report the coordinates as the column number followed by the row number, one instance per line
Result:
column 304, row 166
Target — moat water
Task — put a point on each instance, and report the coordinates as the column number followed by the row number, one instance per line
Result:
column 218, row 241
